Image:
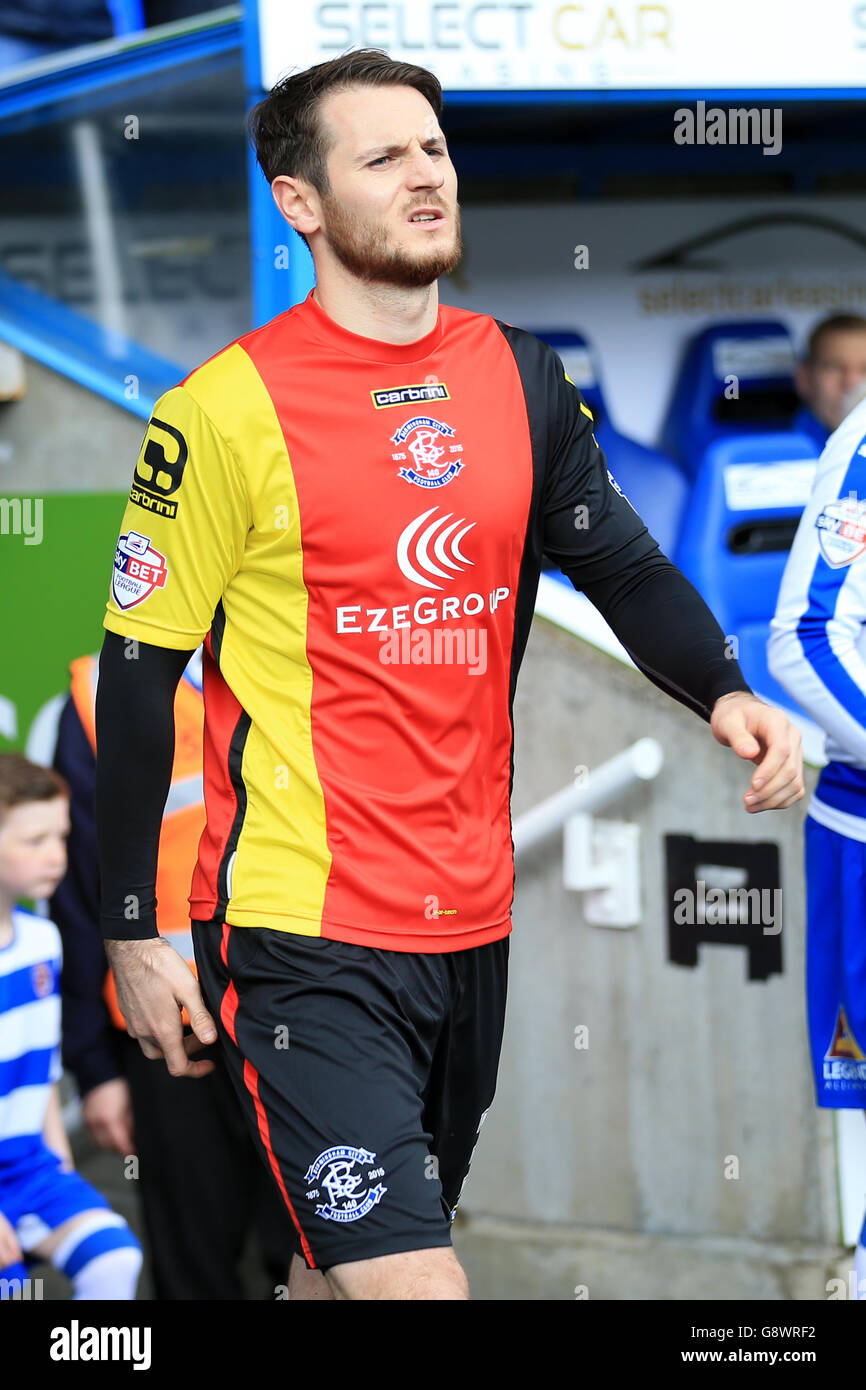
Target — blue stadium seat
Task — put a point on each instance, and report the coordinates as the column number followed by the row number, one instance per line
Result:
column 653, row 484
column 737, row 530
column 760, row 355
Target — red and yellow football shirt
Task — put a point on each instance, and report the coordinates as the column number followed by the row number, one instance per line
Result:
column 355, row 529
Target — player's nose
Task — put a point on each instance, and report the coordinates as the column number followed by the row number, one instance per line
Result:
column 425, row 169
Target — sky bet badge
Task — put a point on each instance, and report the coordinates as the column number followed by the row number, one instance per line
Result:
column 842, row 531
column 343, row 1179
column 426, row 440
column 138, row 570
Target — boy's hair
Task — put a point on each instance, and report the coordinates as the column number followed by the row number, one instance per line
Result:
column 21, row 781
column 285, row 127
column 837, row 323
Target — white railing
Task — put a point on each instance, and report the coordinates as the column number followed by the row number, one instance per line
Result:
column 601, row 858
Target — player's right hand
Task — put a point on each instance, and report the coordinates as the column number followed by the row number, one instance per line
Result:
column 10, row 1249
column 153, row 984
column 107, row 1112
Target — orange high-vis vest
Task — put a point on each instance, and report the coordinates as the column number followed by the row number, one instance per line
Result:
column 183, row 820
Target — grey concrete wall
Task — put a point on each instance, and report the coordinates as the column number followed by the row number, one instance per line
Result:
column 627, row 1140
column 61, row 438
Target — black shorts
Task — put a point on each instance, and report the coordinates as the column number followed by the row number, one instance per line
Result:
column 364, row 1075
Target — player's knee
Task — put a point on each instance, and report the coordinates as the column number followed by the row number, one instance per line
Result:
column 101, row 1257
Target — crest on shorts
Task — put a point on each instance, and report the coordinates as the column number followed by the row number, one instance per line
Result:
column 843, row 1042
column 343, row 1183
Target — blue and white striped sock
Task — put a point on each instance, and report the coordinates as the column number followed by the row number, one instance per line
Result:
column 101, row 1257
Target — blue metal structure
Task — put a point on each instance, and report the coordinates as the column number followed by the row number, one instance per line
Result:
column 65, row 85
column 279, row 280
column 120, row 370
column 72, row 85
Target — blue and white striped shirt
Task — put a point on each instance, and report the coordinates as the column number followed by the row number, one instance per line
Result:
column 817, row 646
column 29, row 1032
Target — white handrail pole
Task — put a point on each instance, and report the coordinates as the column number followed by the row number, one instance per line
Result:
column 640, row 762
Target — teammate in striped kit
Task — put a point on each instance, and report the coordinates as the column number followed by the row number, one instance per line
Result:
column 817, row 651
column 47, row 1211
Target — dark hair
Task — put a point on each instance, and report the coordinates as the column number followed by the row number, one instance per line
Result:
column 285, row 127
column 21, row 781
column 837, row 323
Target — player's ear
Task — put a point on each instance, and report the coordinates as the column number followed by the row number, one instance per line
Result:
column 293, row 198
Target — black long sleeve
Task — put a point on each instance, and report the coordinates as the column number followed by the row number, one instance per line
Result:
column 89, row 1039
column 598, row 540
column 134, row 756
column 668, row 631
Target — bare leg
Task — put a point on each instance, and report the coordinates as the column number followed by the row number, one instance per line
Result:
column 307, row 1283
column 413, row 1274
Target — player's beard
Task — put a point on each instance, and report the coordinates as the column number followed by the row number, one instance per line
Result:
column 363, row 248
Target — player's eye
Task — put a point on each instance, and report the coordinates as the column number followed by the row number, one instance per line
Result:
column 431, row 149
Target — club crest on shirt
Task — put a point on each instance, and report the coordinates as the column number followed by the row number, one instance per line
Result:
column 842, row 531
column 342, row 1183
column 139, row 569
column 43, row 979
column 426, row 441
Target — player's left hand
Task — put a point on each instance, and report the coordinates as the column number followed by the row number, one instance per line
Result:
column 766, row 737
